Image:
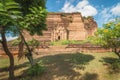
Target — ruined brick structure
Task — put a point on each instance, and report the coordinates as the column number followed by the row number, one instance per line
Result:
column 66, row 26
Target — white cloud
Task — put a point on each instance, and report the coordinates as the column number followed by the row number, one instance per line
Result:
column 104, row 16
column 83, row 6
column 11, row 38
column 107, row 14
column 116, row 10
column 68, row 7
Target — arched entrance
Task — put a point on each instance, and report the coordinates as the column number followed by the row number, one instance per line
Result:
column 59, row 33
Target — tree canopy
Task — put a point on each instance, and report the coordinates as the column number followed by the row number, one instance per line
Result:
column 109, row 36
column 19, row 15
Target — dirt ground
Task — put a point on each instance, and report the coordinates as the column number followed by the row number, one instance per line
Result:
column 70, row 65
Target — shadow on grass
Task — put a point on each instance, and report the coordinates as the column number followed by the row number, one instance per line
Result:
column 64, row 65
column 89, row 76
column 113, row 64
column 16, row 67
column 5, row 69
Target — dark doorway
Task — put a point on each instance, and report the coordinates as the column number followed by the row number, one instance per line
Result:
column 58, row 37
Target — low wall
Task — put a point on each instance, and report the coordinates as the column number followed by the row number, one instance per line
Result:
column 91, row 49
column 88, row 48
column 62, row 49
column 13, row 50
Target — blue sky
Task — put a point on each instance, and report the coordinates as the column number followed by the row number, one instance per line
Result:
column 102, row 10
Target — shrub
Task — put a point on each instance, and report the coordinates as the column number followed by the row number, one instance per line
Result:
column 33, row 42
column 65, row 42
column 35, row 70
column 16, row 42
column 116, row 66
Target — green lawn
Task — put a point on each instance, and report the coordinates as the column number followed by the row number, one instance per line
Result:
column 68, row 66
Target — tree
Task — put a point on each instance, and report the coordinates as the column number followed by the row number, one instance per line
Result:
column 33, row 20
column 9, row 11
column 18, row 16
column 109, row 36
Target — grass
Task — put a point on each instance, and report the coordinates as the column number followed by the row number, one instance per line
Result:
column 70, row 66
column 19, row 66
column 65, row 42
column 3, row 62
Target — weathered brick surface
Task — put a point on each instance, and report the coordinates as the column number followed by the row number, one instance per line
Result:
column 63, row 49
column 66, row 26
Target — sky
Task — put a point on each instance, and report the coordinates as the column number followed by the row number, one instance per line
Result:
column 102, row 10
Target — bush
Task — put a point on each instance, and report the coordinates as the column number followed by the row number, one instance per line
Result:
column 33, row 42
column 35, row 70
column 116, row 66
column 65, row 42
column 113, row 64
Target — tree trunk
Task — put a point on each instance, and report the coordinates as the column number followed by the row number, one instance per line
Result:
column 117, row 52
column 29, row 54
column 9, row 54
column 21, row 48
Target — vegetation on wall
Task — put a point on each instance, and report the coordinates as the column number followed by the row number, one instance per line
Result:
column 66, row 42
